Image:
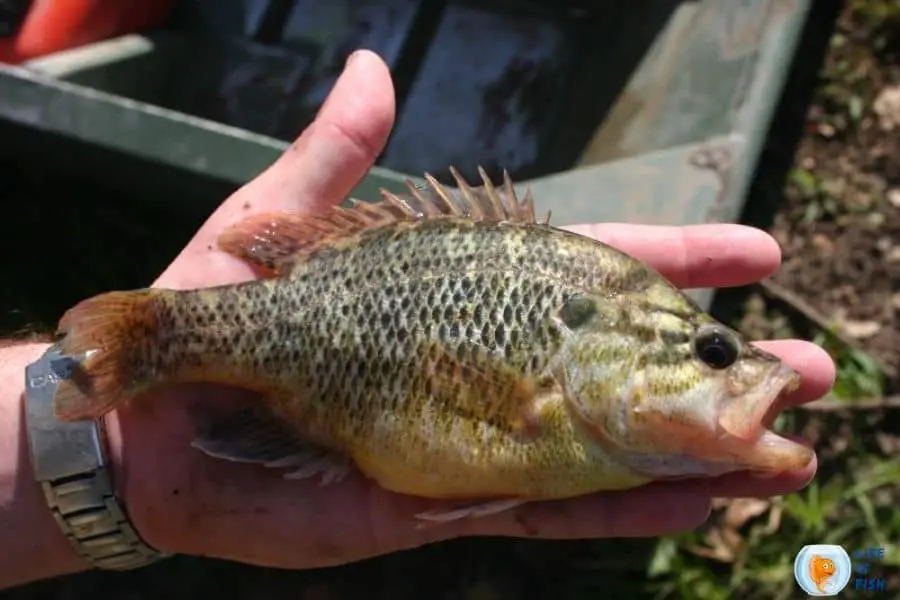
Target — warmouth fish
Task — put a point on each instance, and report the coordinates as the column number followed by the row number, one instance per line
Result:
column 447, row 345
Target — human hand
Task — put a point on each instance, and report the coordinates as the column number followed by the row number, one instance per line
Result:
column 182, row 501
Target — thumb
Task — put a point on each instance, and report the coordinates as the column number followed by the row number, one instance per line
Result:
column 318, row 170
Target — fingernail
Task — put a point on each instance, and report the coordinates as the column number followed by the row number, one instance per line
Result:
column 353, row 56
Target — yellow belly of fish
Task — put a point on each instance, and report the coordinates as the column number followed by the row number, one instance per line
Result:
column 542, row 470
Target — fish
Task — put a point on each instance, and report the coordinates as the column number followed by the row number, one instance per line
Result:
column 447, row 344
column 821, row 570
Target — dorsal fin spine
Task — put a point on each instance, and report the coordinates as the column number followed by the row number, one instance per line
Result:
column 278, row 240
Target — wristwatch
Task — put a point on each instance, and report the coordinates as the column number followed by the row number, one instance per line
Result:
column 70, row 463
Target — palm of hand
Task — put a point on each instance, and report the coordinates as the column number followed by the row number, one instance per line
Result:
column 182, row 501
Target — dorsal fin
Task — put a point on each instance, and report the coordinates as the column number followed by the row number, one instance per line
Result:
column 482, row 203
column 275, row 241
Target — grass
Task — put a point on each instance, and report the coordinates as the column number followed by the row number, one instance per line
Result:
column 858, row 375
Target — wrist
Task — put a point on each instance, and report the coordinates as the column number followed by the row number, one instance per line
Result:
column 72, row 463
column 31, row 544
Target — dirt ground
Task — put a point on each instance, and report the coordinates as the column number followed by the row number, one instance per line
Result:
column 839, row 225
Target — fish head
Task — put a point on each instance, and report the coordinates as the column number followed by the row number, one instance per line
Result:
column 669, row 391
column 825, row 566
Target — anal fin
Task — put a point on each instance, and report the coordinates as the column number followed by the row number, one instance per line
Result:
column 469, row 511
column 254, row 435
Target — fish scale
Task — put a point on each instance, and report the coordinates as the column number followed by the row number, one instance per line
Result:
column 446, row 345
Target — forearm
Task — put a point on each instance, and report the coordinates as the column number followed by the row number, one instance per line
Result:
column 31, row 545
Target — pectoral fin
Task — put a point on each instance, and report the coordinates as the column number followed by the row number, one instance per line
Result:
column 483, row 388
column 254, row 435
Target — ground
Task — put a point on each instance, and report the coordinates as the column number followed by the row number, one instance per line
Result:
column 839, row 227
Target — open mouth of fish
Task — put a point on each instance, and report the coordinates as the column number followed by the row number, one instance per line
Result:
column 749, row 420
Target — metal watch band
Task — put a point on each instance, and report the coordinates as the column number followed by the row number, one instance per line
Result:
column 69, row 461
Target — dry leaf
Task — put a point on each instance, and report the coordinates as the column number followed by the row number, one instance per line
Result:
column 861, row 329
column 723, row 541
column 742, row 510
column 823, row 243
column 893, row 196
column 721, row 545
column 887, row 443
column 826, row 130
column 887, row 107
column 774, row 522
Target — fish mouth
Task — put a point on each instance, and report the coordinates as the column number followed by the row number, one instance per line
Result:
column 749, row 415
column 746, row 423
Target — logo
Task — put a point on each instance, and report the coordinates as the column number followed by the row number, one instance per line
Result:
column 822, row 569
column 825, row 570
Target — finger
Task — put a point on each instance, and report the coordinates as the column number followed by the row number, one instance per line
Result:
column 746, row 485
column 624, row 514
column 815, row 366
column 318, row 170
column 695, row 256
column 331, row 156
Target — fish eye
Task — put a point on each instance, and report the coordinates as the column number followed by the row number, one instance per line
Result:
column 577, row 311
column 716, row 347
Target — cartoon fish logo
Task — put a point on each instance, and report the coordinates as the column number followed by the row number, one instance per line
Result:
column 821, row 570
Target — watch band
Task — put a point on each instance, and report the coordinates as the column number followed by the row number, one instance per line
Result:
column 69, row 461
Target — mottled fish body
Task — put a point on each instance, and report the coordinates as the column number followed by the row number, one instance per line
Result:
column 447, row 345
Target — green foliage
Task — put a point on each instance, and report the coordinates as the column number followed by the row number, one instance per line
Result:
column 858, row 375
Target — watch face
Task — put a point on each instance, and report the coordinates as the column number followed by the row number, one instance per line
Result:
column 12, row 15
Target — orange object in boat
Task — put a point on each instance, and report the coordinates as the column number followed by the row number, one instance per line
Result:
column 54, row 25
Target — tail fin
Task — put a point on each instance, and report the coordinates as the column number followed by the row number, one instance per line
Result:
column 108, row 332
